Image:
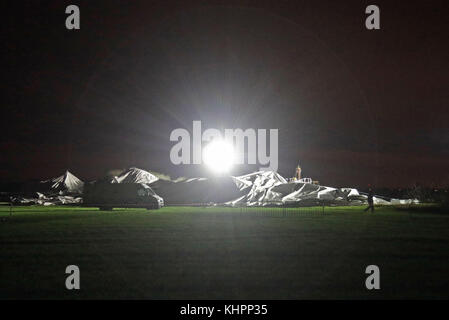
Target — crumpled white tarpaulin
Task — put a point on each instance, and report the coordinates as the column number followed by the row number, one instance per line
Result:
column 135, row 175
column 64, row 189
column 44, row 200
column 268, row 188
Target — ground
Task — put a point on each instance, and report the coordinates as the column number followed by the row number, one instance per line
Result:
column 220, row 253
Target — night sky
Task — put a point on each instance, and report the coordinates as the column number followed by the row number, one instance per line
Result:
column 354, row 106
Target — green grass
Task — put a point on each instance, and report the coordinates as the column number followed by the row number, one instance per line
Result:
column 223, row 253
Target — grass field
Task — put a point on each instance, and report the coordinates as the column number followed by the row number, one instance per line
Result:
column 219, row 253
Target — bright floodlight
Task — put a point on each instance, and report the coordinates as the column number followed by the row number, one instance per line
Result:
column 219, row 156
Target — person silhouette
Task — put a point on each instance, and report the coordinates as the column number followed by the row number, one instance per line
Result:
column 370, row 201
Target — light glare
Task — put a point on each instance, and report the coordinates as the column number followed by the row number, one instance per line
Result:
column 219, row 156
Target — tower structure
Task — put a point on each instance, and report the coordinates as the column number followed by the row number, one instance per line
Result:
column 298, row 173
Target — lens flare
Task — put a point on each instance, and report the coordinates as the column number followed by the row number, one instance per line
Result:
column 219, row 156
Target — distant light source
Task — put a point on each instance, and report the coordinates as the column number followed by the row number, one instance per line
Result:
column 219, row 156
